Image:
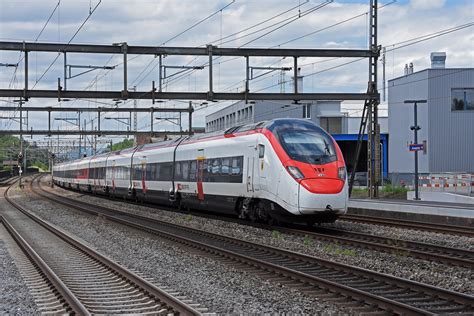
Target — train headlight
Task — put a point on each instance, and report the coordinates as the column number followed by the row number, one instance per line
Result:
column 341, row 173
column 295, row 172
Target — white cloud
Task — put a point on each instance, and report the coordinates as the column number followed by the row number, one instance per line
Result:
column 121, row 20
column 427, row 4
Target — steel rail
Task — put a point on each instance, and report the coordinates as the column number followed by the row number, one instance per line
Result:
column 440, row 228
column 75, row 305
column 173, row 303
column 431, row 252
column 264, row 255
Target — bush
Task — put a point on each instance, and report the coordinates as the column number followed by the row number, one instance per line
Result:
column 388, row 188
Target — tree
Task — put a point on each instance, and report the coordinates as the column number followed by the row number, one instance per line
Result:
column 9, row 147
column 126, row 143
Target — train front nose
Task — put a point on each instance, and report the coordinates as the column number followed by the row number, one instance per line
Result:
column 318, row 195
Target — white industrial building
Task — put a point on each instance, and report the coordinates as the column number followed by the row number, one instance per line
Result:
column 330, row 115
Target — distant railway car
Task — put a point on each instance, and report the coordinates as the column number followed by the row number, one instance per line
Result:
column 286, row 169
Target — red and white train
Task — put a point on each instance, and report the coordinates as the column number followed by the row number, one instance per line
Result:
column 287, row 170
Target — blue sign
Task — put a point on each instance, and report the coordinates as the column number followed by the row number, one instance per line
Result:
column 415, row 147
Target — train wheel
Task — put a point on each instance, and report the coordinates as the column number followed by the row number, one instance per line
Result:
column 243, row 208
column 261, row 213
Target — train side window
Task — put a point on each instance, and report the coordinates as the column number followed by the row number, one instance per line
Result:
column 157, row 172
column 261, row 151
column 185, row 169
column 226, row 167
column 237, row 166
column 192, row 171
column 216, row 166
column 177, row 173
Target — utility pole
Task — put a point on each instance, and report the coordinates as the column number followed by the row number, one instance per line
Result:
column 79, row 126
column 190, row 123
column 135, row 114
column 384, row 61
column 20, row 155
column 415, row 128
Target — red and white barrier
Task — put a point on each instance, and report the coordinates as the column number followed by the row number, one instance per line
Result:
column 464, row 182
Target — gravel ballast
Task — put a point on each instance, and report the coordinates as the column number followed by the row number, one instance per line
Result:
column 217, row 286
column 15, row 298
column 399, row 264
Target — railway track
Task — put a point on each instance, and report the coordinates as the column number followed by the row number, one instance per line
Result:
column 431, row 252
column 362, row 290
column 8, row 181
column 426, row 251
column 85, row 281
column 439, row 228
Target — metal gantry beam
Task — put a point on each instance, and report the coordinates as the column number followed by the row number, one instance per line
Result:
column 160, row 51
column 150, row 95
column 97, row 109
column 94, row 132
column 170, row 51
column 371, row 97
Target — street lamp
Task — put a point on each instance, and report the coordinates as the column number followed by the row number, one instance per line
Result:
column 416, row 147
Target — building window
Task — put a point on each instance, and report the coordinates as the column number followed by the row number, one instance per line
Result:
column 307, row 111
column 333, row 125
column 462, row 99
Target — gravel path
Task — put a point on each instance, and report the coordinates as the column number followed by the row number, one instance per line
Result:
column 400, row 264
column 211, row 283
column 15, row 298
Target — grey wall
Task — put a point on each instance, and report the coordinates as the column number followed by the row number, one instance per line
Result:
column 353, row 124
column 451, row 132
column 400, row 118
column 268, row 110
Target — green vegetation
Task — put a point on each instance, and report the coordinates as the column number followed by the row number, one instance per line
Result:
column 40, row 165
column 388, row 191
column 307, row 241
column 388, row 188
column 126, row 143
column 338, row 250
column 276, row 234
column 9, row 149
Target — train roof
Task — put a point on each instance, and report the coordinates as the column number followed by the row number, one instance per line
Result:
column 202, row 137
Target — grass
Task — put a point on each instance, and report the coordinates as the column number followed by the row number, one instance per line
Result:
column 307, row 241
column 388, row 188
column 338, row 250
column 276, row 234
column 388, row 191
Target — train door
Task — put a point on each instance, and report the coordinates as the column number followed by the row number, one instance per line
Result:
column 144, row 188
column 200, row 177
column 113, row 176
column 262, row 167
column 250, row 170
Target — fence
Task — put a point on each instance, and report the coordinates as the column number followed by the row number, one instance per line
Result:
column 461, row 183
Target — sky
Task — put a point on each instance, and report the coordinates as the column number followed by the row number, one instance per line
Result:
column 154, row 23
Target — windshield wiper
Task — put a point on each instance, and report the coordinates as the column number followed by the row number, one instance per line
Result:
column 326, row 148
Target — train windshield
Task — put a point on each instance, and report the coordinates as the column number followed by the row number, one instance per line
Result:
column 308, row 146
column 304, row 141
